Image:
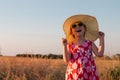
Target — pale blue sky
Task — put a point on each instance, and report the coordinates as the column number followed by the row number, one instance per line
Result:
column 36, row 25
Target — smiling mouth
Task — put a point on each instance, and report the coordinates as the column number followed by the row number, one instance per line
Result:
column 78, row 30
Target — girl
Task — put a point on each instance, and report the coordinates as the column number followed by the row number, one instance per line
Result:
column 81, row 32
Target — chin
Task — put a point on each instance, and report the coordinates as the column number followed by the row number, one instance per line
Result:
column 78, row 34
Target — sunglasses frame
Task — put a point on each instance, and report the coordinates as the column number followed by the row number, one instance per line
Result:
column 79, row 24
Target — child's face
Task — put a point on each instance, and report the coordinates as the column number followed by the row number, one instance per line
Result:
column 78, row 29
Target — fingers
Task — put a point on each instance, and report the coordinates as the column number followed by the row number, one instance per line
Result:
column 64, row 41
column 101, row 33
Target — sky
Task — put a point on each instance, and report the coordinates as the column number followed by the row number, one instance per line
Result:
column 35, row 26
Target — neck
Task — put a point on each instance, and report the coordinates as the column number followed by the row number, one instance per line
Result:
column 79, row 40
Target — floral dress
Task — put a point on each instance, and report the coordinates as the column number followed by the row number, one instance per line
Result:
column 81, row 65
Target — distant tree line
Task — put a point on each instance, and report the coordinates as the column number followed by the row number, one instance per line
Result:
column 55, row 56
column 45, row 56
column 117, row 56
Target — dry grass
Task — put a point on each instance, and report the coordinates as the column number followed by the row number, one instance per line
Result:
column 103, row 65
column 14, row 68
column 105, row 68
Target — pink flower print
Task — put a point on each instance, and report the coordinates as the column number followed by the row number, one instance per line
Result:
column 90, row 47
column 94, row 78
column 87, row 53
column 90, row 78
column 75, row 55
column 85, row 59
column 69, row 71
column 80, row 78
column 93, row 68
column 75, row 76
column 74, row 65
column 79, row 60
column 88, row 69
column 80, row 71
column 85, row 44
column 86, row 75
column 81, row 50
column 90, row 64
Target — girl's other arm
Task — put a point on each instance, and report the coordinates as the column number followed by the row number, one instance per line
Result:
column 66, row 52
column 100, row 50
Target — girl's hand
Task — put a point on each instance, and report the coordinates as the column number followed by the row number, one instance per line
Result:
column 101, row 35
column 64, row 41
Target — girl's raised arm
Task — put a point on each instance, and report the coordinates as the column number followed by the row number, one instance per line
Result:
column 66, row 52
column 99, row 51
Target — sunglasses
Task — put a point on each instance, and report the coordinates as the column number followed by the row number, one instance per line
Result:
column 77, row 25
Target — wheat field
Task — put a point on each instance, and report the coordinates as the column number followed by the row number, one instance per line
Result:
column 20, row 68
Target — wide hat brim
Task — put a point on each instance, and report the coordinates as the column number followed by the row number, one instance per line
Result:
column 91, row 26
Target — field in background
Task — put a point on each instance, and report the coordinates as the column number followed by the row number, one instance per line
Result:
column 23, row 68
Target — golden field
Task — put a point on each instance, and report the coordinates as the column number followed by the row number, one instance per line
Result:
column 20, row 68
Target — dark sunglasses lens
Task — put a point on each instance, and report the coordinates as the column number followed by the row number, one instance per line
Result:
column 80, row 24
column 74, row 26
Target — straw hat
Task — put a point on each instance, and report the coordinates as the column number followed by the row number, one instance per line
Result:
column 89, row 21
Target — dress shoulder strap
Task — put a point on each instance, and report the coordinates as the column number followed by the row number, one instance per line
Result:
column 89, row 42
